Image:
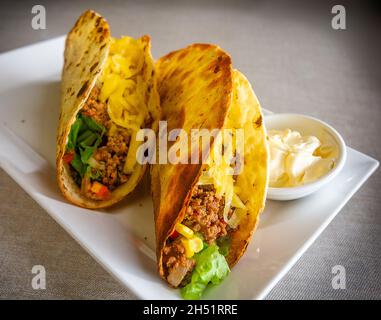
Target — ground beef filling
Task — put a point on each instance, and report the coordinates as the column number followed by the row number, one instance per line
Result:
column 113, row 156
column 112, row 152
column 95, row 109
column 204, row 215
column 177, row 266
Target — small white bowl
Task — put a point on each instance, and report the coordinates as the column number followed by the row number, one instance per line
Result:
column 306, row 126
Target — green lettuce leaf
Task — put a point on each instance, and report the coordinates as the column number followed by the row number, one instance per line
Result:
column 93, row 126
column 74, row 130
column 84, row 137
column 78, row 165
column 211, row 267
column 86, row 153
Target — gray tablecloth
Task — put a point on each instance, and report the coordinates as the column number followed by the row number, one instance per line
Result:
column 296, row 63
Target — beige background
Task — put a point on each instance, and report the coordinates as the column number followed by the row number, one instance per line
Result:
column 296, row 62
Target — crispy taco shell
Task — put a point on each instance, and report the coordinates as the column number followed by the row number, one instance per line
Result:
column 199, row 89
column 87, row 49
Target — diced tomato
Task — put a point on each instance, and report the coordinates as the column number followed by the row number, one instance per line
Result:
column 104, row 193
column 174, row 235
column 100, row 190
column 68, row 157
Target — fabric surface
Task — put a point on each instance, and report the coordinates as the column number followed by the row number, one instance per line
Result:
column 296, row 63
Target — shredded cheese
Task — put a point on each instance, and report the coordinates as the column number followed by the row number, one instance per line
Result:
column 219, row 171
column 123, row 90
column 221, row 175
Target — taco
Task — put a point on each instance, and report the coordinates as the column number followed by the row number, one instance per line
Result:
column 206, row 213
column 108, row 93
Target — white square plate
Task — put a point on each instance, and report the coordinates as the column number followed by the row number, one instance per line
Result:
column 122, row 240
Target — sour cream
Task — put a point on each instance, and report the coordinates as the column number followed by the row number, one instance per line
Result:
column 296, row 160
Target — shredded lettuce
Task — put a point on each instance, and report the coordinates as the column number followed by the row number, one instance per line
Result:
column 74, row 130
column 78, row 165
column 93, row 126
column 211, row 267
column 84, row 137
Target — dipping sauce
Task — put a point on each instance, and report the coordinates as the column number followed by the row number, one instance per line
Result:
column 296, row 160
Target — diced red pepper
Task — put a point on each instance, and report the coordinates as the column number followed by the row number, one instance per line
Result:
column 100, row 190
column 174, row 235
column 68, row 157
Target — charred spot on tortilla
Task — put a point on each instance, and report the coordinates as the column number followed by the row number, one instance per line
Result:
column 186, row 75
column 98, row 21
column 175, row 72
column 94, row 66
column 258, row 122
column 214, row 83
column 83, row 89
column 182, row 55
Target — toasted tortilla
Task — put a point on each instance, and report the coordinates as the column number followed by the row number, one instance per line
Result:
column 199, row 89
column 86, row 51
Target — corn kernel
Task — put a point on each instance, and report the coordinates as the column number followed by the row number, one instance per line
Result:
column 184, row 230
column 188, row 249
column 192, row 246
column 196, row 244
